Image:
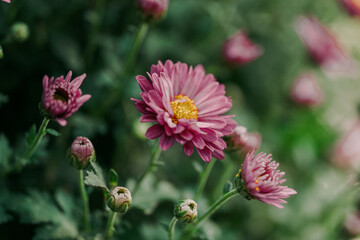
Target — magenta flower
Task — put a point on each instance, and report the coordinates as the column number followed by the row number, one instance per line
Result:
column 306, row 91
column 61, row 98
column 187, row 105
column 351, row 6
column 154, row 9
column 261, row 180
column 347, row 150
column 244, row 140
column 240, row 50
column 81, row 152
column 8, row 1
column 322, row 46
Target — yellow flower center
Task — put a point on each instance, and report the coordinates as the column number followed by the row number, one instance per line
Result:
column 183, row 107
column 356, row 3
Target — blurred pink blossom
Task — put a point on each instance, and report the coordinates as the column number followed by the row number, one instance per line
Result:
column 306, row 91
column 263, row 181
column 187, row 106
column 352, row 6
column 352, row 223
column 240, row 50
column 154, row 9
column 61, row 98
column 322, row 46
column 347, row 150
column 8, row 1
column 244, row 140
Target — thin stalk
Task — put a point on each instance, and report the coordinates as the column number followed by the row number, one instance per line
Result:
column 151, row 168
column 85, row 200
column 192, row 228
column 172, row 228
column 203, row 179
column 110, row 226
column 35, row 143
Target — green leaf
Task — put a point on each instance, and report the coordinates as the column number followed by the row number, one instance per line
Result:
column 5, row 152
column 53, row 132
column 5, row 198
column 113, row 178
column 228, row 186
column 95, row 177
column 30, row 135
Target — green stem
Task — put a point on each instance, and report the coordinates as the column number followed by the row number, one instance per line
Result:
column 35, row 143
column 151, row 168
column 192, row 228
column 172, row 228
column 85, row 201
column 225, row 176
column 110, row 226
column 203, row 179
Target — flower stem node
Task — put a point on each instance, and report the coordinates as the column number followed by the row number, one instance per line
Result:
column 81, row 153
column 186, row 211
column 119, row 200
column 20, row 32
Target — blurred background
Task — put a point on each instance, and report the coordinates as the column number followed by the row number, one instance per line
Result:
column 316, row 141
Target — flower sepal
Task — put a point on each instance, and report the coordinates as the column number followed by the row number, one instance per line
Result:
column 241, row 187
column 186, row 211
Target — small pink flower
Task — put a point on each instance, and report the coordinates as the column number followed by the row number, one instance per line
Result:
column 352, row 223
column 306, row 91
column 8, row 1
column 154, row 9
column 240, row 50
column 186, row 105
column 81, row 152
column 245, row 141
column 352, row 6
column 347, row 150
column 322, row 46
column 262, row 180
column 61, row 98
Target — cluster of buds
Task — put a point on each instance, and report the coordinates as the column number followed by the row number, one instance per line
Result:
column 81, row 153
column 186, row 211
column 351, row 6
column 259, row 179
column 306, row 91
column 243, row 140
column 119, row 199
column 153, row 9
column 239, row 49
column 322, row 46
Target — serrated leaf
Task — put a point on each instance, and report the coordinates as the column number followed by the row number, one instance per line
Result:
column 65, row 201
column 113, row 178
column 53, row 132
column 95, row 177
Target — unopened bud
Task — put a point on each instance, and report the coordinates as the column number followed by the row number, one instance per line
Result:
column 81, row 153
column 186, row 211
column 153, row 9
column 20, row 31
column 119, row 199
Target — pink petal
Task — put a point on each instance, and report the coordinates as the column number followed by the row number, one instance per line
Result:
column 166, row 142
column 77, row 81
column 154, row 131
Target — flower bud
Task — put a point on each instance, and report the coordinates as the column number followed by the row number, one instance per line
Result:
column 351, row 6
column 153, row 9
column 1, row 52
column 243, row 140
column 20, row 31
column 81, row 153
column 306, row 91
column 119, row 199
column 186, row 211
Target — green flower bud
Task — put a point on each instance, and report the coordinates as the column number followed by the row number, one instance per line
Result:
column 20, row 31
column 186, row 211
column 119, row 199
column 81, row 153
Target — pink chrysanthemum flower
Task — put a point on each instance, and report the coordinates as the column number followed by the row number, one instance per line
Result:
column 240, row 50
column 306, row 91
column 154, row 9
column 61, row 98
column 351, row 6
column 187, row 105
column 322, row 46
column 244, row 140
column 261, row 180
column 8, row 1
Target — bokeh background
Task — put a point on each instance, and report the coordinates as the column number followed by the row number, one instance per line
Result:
column 95, row 37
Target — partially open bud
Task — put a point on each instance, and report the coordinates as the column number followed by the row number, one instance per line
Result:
column 186, row 211
column 20, row 31
column 81, row 153
column 306, row 91
column 153, row 9
column 119, row 199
